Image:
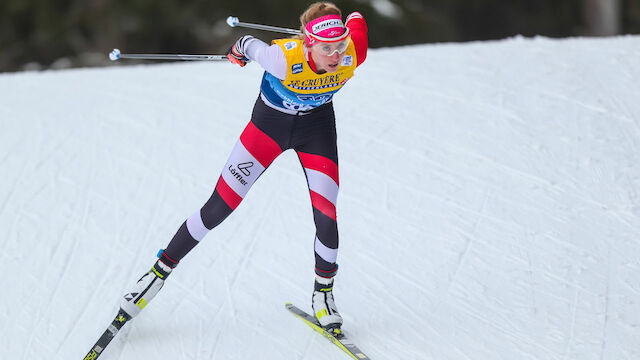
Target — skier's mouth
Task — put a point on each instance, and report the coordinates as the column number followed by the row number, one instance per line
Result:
column 333, row 66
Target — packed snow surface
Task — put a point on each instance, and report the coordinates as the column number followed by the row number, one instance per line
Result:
column 489, row 208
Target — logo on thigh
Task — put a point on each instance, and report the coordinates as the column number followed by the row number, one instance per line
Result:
column 241, row 169
column 244, row 167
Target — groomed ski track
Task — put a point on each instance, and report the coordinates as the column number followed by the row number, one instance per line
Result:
column 489, row 208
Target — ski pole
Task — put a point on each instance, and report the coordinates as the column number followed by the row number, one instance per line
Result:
column 116, row 55
column 233, row 22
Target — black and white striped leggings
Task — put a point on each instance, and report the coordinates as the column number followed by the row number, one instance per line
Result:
column 270, row 132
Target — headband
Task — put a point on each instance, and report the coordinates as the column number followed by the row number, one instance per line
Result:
column 328, row 28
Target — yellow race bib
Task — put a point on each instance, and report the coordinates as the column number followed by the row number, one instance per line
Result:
column 303, row 89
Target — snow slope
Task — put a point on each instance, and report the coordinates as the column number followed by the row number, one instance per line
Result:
column 489, row 208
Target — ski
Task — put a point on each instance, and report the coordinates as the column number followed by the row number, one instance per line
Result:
column 339, row 339
column 108, row 335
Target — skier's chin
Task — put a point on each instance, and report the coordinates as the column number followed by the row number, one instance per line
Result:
column 331, row 68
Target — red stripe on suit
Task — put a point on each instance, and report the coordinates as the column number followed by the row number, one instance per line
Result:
column 320, row 163
column 260, row 145
column 228, row 195
column 323, row 205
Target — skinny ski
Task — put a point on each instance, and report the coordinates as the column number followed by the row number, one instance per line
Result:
column 339, row 339
column 108, row 335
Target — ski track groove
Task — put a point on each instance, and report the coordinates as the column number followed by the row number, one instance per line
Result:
column 626, row 222
column 555, row 155
column 404, row 217
column 521, row 339
column 574, row 311
column 159, row 199
column 410, row 313
column 457, row 151
column 12, row 230
column 428, row 194
column 567, row 99
column 307, row 347
column 631, row 288
column 417, row 286
column 532, row 283
column 229, row 298
column 82, row 312
column 469, row 240
column 11, row 194
column 461, row 261
column 230, row 284
column 484, row 105
column 568, row 283
column 198, row 341
column 65, row 269
column 32, row 333
column 57, row 146
column 60, row 277
column 245, row 259
column 180, row 337
column 216, row 344
column 607, row 295
column 86, row 205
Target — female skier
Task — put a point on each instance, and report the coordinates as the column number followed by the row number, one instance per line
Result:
column 293, row 111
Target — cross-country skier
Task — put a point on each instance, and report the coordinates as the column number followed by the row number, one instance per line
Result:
column 294, row 111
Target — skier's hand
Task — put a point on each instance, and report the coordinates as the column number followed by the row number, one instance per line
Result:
column 353, row 15
column 235, row 54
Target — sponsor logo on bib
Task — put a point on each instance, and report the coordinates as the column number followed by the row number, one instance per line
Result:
column 290, row 45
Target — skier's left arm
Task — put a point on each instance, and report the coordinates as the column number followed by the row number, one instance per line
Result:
column 358, row 29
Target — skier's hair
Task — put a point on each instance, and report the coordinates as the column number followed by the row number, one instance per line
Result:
column 315, row 11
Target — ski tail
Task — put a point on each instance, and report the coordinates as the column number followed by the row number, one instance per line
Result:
column 108, row 335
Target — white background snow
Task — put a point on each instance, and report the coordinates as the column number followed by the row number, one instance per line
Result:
column 489, row 208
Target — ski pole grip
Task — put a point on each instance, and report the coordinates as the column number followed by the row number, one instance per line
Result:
column 114, row 55
column 232, row 21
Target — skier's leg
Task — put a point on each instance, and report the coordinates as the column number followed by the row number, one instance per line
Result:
column 319, row 159
column 322, row 179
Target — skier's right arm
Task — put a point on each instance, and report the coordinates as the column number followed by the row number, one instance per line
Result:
column 271, row 58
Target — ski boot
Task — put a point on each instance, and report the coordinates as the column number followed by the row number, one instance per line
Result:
column 324, row 307
column 148, row 286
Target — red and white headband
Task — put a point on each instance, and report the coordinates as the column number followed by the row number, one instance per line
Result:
column 328, row 28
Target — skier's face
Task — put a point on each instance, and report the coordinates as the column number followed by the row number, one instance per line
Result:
column 328, row 56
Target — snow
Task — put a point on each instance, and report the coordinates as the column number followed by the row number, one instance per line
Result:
column 489, row 208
